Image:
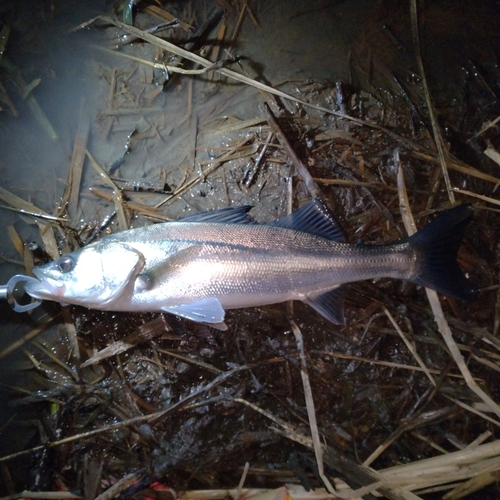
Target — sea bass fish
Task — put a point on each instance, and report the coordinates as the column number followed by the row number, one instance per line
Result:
column 198, row 266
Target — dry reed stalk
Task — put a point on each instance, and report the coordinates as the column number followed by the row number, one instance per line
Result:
column 136, row 207
column 21, row 205
column 117, row 193
column 488, row 199
column 453, row 164
column 49, row 239
column 311, row 412
column 438, row 140
column 72, row 194
column 390, row 364
column 238, row 494
column 467, row 407
column 16, row 240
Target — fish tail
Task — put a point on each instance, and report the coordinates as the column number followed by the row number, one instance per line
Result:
column 437, row 246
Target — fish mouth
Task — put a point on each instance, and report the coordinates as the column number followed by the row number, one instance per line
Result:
column 45, row 288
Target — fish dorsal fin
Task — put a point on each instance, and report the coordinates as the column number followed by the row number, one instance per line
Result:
column 330, row 304
column 313, row 218
column 230, row 215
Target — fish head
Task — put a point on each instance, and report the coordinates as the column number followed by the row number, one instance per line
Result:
column 93, row 276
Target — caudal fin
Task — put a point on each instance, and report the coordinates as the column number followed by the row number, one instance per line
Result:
column 437, row 245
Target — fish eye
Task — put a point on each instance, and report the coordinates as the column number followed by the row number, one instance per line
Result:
column 66, row 264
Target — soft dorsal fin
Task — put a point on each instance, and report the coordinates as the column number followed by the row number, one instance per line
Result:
column 313, row 218
column 230, row 215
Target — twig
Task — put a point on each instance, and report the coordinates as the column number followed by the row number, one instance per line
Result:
column 191, row 361
column 409, row 346
column 297, row 163
column 467, row 407
column 242, row 482
column 493, row 201
column 29, row 336
column 485, row 127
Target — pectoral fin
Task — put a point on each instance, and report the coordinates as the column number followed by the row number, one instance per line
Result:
column 154, row 276
column 208, row 311
column 330, row 304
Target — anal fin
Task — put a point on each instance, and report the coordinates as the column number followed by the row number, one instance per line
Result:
column 208, row 311
column 330, row 304
column 218, row 326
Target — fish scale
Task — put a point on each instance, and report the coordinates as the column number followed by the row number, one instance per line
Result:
column 199, row 266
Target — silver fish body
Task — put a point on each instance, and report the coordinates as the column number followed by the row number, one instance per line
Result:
column 198, row 267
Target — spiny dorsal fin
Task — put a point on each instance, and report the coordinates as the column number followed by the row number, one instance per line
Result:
column 313, row 218
column 230, row 215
